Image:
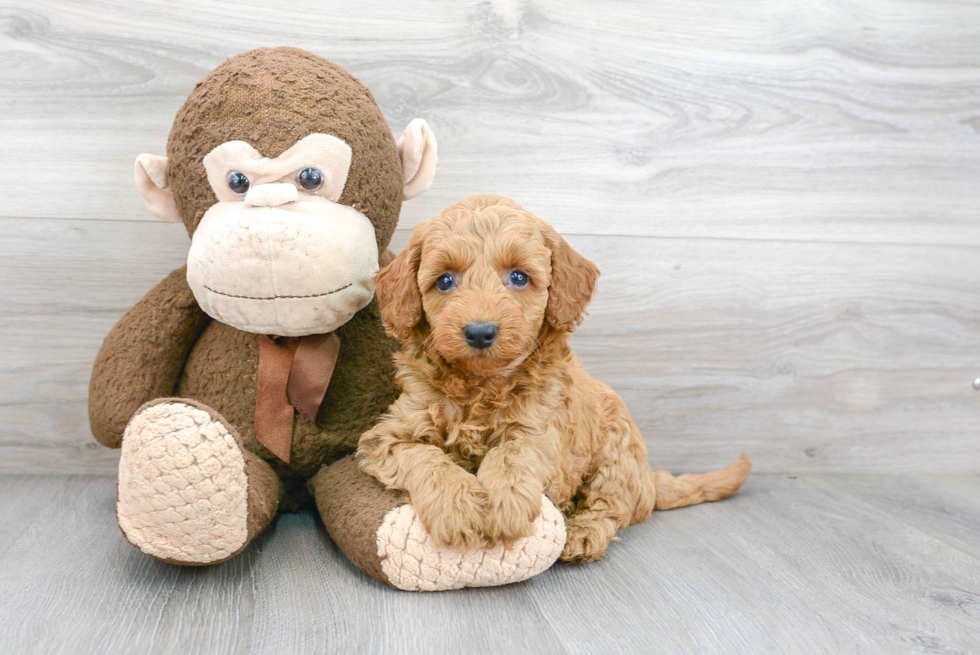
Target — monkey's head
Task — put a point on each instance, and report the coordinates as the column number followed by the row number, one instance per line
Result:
column 284, row 172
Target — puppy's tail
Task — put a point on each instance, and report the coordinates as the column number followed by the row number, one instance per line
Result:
column 691, row 489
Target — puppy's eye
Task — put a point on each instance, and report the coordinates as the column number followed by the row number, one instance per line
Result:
column 445, row 282
column 310, row 179
column 238, row 183
column 519, row 279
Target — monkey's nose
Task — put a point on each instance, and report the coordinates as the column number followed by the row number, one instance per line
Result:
column 480, row 335
column 271, row 195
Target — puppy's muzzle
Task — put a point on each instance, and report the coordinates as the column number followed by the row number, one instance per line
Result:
column 480, row 335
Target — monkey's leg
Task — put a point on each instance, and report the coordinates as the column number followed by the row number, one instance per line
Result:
column 188, row 492
column 381, row 533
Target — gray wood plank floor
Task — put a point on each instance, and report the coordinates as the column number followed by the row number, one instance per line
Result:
column 807, row 564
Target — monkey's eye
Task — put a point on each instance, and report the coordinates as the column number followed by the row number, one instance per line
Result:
column 519, row 279
column 238, row 183
column 310, row 179
column 445, row 282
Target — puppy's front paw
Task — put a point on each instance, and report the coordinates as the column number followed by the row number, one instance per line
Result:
column 456, row 517
column 511, row 515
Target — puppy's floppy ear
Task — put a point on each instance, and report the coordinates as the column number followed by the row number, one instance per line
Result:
column 398, row 292
column 573, row 279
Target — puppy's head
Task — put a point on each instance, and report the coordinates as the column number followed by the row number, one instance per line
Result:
column 481, row 282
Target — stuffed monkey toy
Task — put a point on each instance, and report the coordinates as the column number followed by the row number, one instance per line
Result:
column 243, row 373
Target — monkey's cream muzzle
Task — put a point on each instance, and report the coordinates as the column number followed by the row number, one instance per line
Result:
column 276, row 259
column 304, row 268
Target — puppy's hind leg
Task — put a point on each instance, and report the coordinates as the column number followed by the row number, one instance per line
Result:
column 616, row 496
column 626, row 491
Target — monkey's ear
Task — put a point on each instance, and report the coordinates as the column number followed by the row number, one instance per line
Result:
column 573, row 280
column 418, row 152
column 151, row 182
column 397, row 286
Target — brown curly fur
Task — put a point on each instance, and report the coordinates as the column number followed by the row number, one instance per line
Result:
column 478, row 435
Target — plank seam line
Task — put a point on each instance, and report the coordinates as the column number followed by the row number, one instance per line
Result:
column 661, row 237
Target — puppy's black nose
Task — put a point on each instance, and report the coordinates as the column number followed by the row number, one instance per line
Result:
column 480, row 335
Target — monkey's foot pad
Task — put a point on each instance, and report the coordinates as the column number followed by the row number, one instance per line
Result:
column 183, row 492
column 411, row 561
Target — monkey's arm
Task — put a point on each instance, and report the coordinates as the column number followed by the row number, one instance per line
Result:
column 143, row 356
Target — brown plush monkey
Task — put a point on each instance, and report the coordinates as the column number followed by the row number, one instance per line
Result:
column 246, row 372
column 289, row 182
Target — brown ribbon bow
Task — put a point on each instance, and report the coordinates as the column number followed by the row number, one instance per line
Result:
column 294, row 373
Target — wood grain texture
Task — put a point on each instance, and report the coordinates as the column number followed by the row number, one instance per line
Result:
column 831, row 120
column 782, row 199
column 814, row 564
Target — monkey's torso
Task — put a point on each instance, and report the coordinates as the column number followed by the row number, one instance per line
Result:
column 221, row 372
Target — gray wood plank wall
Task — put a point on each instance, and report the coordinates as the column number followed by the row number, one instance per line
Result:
column 784, row 199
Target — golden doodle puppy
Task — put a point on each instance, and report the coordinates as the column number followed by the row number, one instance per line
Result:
column 495, row 410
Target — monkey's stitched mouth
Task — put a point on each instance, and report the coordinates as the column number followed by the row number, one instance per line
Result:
column 313, row 295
